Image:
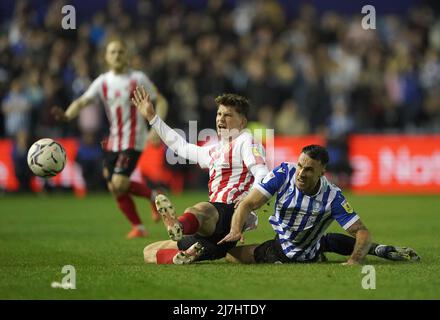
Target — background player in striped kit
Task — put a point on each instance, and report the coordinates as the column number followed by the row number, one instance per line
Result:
column 306, row 205
column 235, row 161
column 128, row 130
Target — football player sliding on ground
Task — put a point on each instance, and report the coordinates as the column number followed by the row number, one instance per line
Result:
column 305, row 206
column 235, row 162
column 128, row 131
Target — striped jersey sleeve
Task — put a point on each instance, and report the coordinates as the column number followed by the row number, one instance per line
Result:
column 179, row 145
column 94, row 90
column 342, row 212
column 274, row 180
column 254, row 158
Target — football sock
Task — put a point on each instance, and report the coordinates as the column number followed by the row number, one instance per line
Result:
column 338, row 243
column 165, row 256
column 140, row 189
column 189, row 222
column 372, row 250
column 127, row 206
column 344, row 245
column 382, row 250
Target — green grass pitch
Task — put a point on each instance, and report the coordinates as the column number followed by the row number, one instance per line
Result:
column 41, row 234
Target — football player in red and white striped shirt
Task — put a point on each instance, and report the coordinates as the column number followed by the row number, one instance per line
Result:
column 235, row 162
column 128, row 130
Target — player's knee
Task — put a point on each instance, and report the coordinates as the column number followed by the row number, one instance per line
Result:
column 200, row 215
column 241, row 254
column 150, row 254
column 119, row 192
column 114, row 191
column 192, row 210
column 119, row 187
column 231, row 259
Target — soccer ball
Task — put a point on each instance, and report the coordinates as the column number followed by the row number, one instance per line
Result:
column 46, row 158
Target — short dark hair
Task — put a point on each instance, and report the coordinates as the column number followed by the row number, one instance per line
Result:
column 316, row 152
column 240, row 104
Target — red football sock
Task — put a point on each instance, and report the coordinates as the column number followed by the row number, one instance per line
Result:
column 189, row 222
column 140, row 189
column 165, row 256
column 127, row 206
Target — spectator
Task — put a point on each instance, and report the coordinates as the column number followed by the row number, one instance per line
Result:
column 339, row 127
column 289, row 121
column 17, row 110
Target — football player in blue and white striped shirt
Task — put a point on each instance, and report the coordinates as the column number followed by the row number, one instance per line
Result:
column 306, row 204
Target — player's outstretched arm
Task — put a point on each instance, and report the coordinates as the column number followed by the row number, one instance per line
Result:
column 141, row 99
column 362, row 245
column 72, row 111
column 162, row 111
column 254, row 200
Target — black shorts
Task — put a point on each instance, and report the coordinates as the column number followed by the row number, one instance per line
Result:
column 212, row 250
column 123, row 162
column 271, row 252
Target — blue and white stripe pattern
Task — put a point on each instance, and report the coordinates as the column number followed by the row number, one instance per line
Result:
column 301, row 220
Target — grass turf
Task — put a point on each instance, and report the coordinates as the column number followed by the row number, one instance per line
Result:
column 41, row 234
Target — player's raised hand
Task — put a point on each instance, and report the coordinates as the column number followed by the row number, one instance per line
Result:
column 141, row 99
column 58, row 114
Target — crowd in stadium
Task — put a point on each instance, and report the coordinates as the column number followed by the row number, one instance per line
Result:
column 307, row 73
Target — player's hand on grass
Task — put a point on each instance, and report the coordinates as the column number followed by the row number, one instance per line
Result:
column 58, row 114
column 232, row 236
column 351, row 262
column 141, row 99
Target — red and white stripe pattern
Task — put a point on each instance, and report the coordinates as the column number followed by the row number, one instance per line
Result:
column 230, row 178
column 127, row 127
